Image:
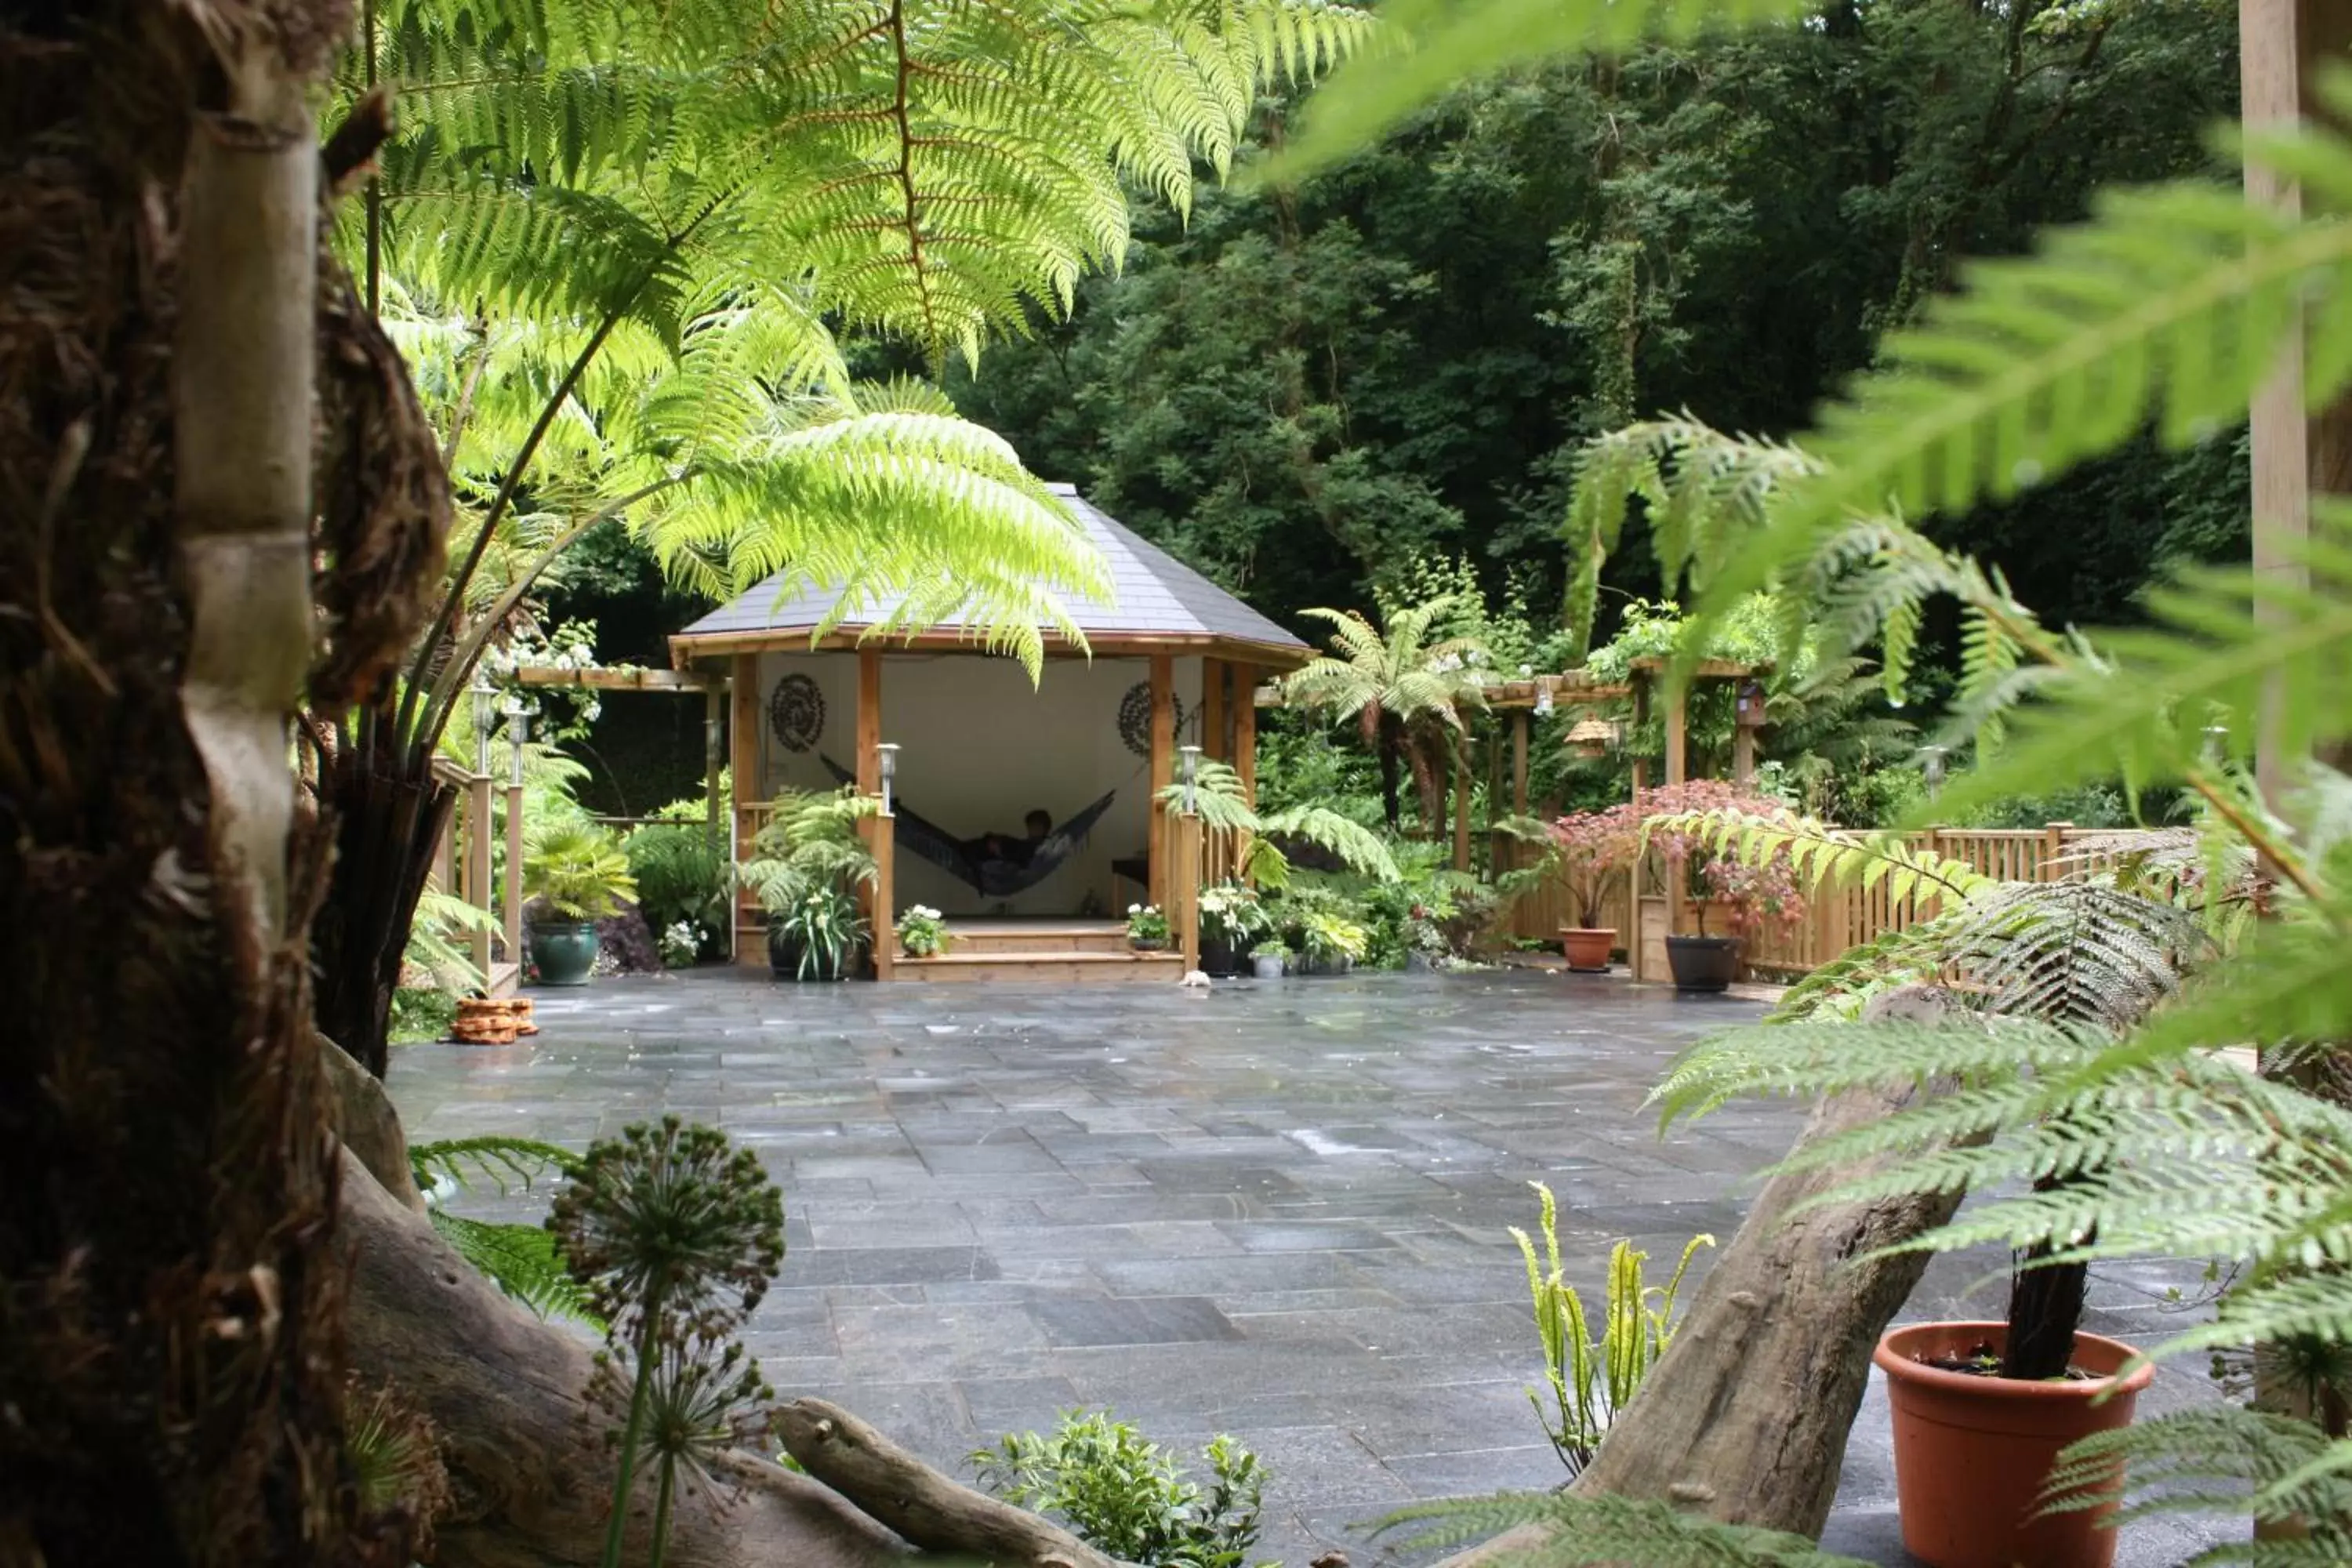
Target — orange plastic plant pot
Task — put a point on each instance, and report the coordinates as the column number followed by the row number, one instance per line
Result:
column 1972, row 1454
column 1587, row 947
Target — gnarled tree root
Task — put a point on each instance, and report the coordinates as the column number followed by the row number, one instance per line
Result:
column 923, row 1506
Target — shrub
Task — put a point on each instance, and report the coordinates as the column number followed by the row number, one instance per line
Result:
column 682, row 875
column 1127, row 1496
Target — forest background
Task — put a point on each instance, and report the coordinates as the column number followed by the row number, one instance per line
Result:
column 1338, row 394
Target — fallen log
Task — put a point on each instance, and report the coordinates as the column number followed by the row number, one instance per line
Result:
column 921, row 1505
column 1744, row 1420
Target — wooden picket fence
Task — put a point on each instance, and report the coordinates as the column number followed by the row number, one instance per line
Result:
column 1838, row 919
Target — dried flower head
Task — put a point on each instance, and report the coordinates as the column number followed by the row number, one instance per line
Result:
column 666, row 1221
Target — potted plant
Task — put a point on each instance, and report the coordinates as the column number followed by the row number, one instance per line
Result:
column 1268, row 959
column 1232, row 918
column 818, row 936
column 806, row 866
column 923, row 932
column 1332, row 942
column 1146, row 928
column 576, row 874
column 1757, row 893
column 1587, row 847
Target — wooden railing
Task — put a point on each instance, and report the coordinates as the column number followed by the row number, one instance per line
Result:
column 1836, row 919
column 462, row 866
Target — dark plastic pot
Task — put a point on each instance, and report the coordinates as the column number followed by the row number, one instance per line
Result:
column 1222, row 960
column 1588, row 947
column 784, row 961
column 1703, row 962
column 563, row 952
column 1972, row 1454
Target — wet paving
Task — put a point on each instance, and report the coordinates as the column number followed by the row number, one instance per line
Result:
column 1277, row 1210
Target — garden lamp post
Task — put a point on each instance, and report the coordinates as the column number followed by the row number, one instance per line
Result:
column 1188, row 771
column 2217, row 744
column 1931, row 762
column 888, row 752
column 1543, row 696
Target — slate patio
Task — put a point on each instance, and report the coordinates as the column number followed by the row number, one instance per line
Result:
column 1275, row 1210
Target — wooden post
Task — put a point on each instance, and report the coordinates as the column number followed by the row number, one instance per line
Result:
column 873, row 899
column 1183, row 908
column 1213, row 710
column 1677, row 769
column 478, row 866
column 885, row 843
column 743, row 756
column 1246, row 729
column 1163, row 762
column 714, row 753
column 1635, row 947
column 2281, row 45
column 514, row 872
column 1519, row 762
column 1462, row 803
column 1743, row 753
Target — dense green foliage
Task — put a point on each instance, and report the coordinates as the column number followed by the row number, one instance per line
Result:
column 1306, row 389
column 1127, row 1496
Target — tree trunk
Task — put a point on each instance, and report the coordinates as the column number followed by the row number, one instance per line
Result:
column 1392, row 781
column 527, row 1458
column 171, row 1378
column 1744, row 1419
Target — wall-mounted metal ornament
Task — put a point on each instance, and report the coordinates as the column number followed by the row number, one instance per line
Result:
column 1135, row 717
column 796, row 713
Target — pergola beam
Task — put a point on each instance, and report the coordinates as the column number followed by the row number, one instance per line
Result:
column 620, row 680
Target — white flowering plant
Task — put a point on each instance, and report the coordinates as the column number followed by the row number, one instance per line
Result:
column 923, row 931
column 681, row 944
column 1146, row 926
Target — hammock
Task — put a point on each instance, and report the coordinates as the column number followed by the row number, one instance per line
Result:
column 971, row 860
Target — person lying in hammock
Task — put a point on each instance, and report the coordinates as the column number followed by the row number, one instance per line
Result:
column 1010, row 850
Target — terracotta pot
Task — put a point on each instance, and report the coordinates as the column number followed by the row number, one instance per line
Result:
column 1971, row 1454
column 1588, row 947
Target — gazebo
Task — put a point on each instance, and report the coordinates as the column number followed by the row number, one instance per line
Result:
column 980, row 759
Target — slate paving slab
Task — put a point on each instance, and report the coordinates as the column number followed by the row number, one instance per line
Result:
column 1277, row 1210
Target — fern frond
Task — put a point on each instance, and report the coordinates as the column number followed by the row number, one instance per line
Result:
column 496, row 1159
column 1603, row 1529
column 520, row 1259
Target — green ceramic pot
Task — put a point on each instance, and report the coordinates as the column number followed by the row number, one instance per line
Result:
column 563, row 952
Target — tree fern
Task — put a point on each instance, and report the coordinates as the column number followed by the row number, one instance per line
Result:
column 1601, row 1529
column 520, row 1259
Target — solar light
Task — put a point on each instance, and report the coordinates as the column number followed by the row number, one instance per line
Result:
column 517, row 713
column 888, row 750
column 2217, row 744
column 485, row 717
column 1543, row 696
column 1191, row 755
column 1931, row 762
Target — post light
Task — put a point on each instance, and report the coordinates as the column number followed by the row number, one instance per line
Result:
column 1931, row 762
column 517, row 713
column 1543, row 696
column 888, row 753
column 1617, row 734
column 1191, row 755
column 2217, row 744
column 485, row 717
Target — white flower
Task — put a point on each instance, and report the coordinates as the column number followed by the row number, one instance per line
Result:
column 1135, row 909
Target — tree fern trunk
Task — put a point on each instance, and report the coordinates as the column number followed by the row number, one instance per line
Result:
column 2045, row 1308
column 170, row 1286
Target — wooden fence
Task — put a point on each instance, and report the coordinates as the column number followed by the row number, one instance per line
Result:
column 1837, row 919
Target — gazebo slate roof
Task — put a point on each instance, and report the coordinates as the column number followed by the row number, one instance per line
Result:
column 1158, row 601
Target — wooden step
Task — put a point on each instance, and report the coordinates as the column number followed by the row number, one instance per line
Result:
column 1046, row 967
column 1037, row 936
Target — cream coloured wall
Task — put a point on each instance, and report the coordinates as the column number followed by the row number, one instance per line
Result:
column 979, row 747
